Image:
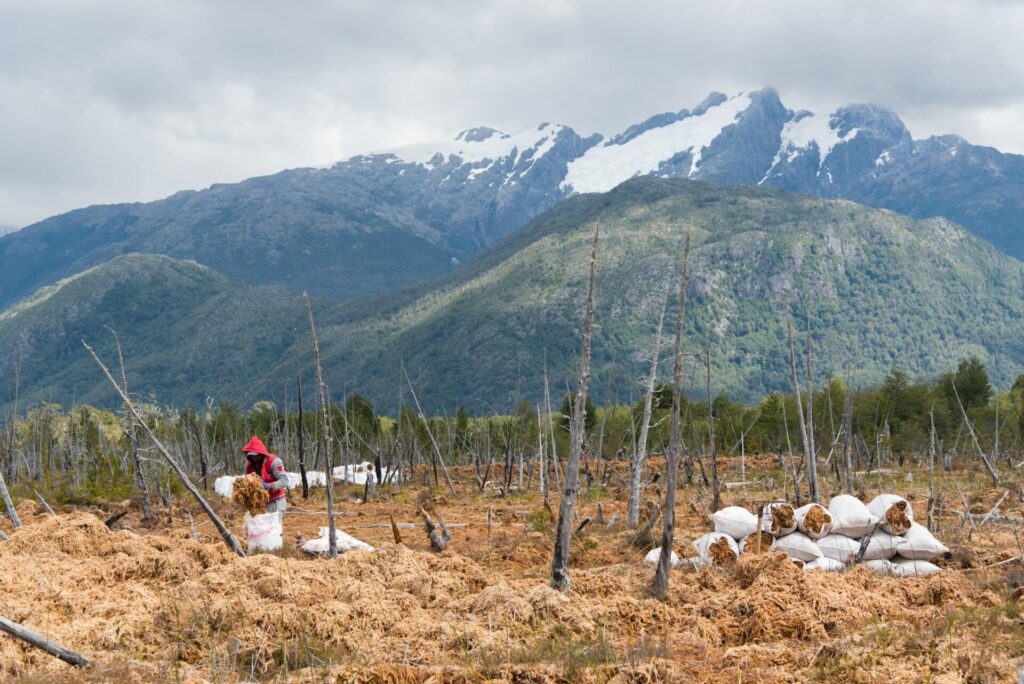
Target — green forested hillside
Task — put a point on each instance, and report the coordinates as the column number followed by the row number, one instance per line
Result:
column 884, row 290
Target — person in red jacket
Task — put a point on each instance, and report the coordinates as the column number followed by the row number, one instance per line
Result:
column 270, row 469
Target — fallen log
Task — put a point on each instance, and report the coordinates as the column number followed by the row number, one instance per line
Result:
column 41, row 642
column 980, row 518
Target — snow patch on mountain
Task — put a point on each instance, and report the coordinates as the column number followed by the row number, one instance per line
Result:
column 478, row 145
column 602, row 167
column 821, row 131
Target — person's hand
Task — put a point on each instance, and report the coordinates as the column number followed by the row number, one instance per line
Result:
column 267, row 486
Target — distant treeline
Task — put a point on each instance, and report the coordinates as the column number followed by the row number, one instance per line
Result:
column 82, row 453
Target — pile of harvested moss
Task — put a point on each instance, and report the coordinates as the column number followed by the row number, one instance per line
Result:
column 783, row 517
column 249, row 493
column 816, row 519
column 896, row 517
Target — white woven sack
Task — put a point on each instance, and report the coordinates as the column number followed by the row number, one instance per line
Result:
column 839, row 548
column 654, row 554
column 883, row 546
column 850, row 517
column 345, row 542
column 825, row 563
column 880, row 566
column 264, row 532
column 904, row 567
column 703, row 544
column 801, row 514
column 797, row 546
column 766, row 523
column 735, row 521
column 882, row 503
column 920, row 544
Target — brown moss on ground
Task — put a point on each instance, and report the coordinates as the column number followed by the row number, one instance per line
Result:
column 248, row 492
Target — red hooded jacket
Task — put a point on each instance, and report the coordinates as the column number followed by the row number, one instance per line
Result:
column 271, row 463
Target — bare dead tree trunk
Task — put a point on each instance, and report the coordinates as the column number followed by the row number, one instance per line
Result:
column 133, row 440
column 225, row 533
column 298, row 394
column 799, row 405
column 848, row 438
column 438, row 540
column 563, row 536
column 989, row 466
column 660, row 585
column 325, row 436
column 12, row 513
column 716, row 498
column 812, row 457
column 433, row 442
column 931, row 468
column 640, row 456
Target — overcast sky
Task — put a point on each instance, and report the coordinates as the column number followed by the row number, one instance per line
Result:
column 123, row 100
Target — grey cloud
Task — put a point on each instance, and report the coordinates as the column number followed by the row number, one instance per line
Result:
column 116, row 100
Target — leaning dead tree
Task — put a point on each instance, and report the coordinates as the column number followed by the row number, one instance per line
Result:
column 640, row 456
column 659, row 587
column 225, row 533
column 563, row 536
column 325, row 436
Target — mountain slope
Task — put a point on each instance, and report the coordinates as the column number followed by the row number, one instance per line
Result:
column 378, row 222
column 885, row 290
column 187, row 333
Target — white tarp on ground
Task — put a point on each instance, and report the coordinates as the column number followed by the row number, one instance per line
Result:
column 352, row 474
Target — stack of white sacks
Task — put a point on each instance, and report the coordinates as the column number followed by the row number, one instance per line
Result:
column 826, row 539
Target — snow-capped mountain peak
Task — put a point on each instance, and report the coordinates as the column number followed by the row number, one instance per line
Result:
column 476, row 146
column 603, row 167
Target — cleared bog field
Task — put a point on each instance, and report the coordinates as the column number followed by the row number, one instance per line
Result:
column 172, row 603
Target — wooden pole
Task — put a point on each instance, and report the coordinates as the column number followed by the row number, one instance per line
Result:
column 39, row 641
column 225, row 533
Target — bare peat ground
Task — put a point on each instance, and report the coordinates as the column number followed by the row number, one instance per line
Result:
column 156, row 604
